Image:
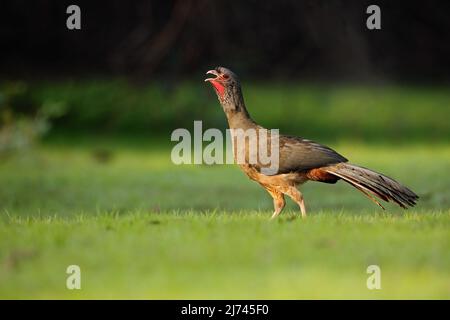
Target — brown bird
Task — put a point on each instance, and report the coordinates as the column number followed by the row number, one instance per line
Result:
column 299, row 160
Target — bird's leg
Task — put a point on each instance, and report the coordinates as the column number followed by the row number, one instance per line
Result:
column 297, row 196
column 278, row 205
column 278, row 202
column 303, row 207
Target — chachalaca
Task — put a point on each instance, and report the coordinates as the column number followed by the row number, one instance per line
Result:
column 299, row 160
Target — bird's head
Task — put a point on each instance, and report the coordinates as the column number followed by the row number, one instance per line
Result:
column 224, row 82
column 227, row 86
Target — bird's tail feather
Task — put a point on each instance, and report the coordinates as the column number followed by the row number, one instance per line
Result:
column 372, row 184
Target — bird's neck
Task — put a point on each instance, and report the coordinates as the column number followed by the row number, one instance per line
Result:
column 236, row 112
column 240, row 119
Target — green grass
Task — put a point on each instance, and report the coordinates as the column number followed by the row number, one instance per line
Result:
column 140, row 227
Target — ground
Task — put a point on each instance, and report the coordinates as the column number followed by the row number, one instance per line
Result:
column 140, row 227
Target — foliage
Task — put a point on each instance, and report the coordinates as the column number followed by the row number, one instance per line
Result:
column 320, row 112
column 22, row 121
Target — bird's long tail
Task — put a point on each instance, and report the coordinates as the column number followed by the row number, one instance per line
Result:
column 373, row 184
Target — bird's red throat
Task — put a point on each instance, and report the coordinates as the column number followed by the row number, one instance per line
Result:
column 219, row 87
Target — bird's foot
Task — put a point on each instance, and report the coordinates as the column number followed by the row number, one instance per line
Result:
column 275, row 214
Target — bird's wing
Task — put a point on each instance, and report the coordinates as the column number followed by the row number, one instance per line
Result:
column 297, row 154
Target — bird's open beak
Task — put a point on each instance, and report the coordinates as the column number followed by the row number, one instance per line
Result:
column 214, row 73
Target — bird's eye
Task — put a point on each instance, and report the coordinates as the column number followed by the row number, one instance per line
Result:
column 225, row 76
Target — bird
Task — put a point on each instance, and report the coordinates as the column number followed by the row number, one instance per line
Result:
column 299, row 160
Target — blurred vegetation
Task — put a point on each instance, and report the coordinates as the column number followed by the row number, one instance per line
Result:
column 23, row 121
column 321, row 112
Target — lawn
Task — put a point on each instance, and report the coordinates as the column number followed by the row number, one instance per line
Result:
column 140, row 227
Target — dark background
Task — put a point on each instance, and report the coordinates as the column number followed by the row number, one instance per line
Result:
column 326, row 40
